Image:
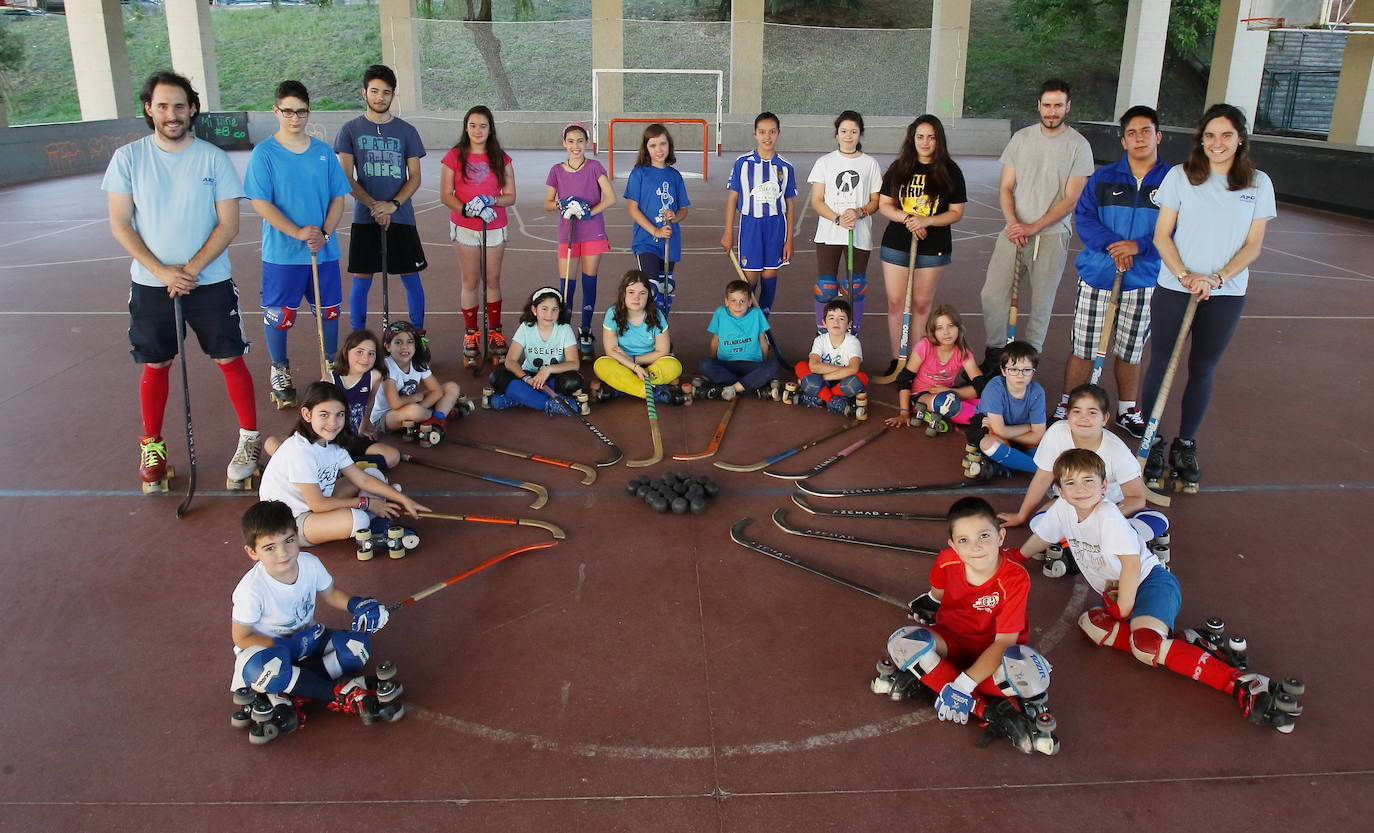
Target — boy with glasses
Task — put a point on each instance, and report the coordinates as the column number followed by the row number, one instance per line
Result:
column 1010, row 416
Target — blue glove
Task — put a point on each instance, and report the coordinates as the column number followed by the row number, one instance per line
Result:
column 487, row 215
column 956, row 700
column 575, row 208
column 301, row 644
column 474, row 206
column 368, row 614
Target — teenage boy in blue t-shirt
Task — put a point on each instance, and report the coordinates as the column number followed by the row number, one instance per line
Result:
column 739, row 361
column 298, row 189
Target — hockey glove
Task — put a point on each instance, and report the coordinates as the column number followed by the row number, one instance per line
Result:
column 575, row 208
column 975, row 431
column 301, row 644
column 368, row 614
column 923, row 608
column 487, row 215
column 1109, row 602
column 956, row 700
column 474, row 206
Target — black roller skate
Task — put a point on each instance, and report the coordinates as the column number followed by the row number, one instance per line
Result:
column 1027, row 734
column 1211, row 637
column 396, row 541
column 1155, row 466
column 585, row 346
column 281, row 390
column 1042, row 736
column 266, row 716
column 371, row 699
column 894, row 682
column 771, row 391
column 1269, row 702
column 410, row 431
column 1059, row 561
column 1183, row 461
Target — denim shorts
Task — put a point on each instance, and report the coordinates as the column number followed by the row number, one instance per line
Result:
column 900, row 258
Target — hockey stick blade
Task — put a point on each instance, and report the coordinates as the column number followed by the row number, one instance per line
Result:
column 780, row 520
column 652, row 409
column 783, row 455
column 737, row 535
column 541, row 494
column 832, row 459
column 490, row 562
column 933, row 488
column 588, row 472
column 716, row 438
column 862, row 513
column 553, row 529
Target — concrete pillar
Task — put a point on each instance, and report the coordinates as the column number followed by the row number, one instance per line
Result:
column 191, row 38
column 948, row 58
column 746, row 57
column 401, row 52
column 100, row 60
column 608, row 52
column 1142, row 54
column 1352, row 119
column 1237, row 60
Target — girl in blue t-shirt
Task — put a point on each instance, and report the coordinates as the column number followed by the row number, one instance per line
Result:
column 540, row 370
column 656, row 198
column 634, row 336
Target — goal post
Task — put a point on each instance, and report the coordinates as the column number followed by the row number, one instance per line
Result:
column 705, row 141
column 596, row 96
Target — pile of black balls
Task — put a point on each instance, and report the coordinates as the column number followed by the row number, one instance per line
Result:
column 678, row 491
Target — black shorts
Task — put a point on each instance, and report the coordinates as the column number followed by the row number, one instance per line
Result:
column 211, row 311
column 404, row 253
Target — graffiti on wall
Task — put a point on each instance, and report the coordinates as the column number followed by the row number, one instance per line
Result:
column 92, row 153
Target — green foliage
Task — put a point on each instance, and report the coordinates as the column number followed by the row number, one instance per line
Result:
column 1098, row 24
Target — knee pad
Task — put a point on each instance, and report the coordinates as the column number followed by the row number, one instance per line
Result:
column 858, row 284
column 331, row 313
column 279, row 318
column 945, row 403
column 1100, row 626
column 267, row 670
column 664, row 286
column 913, row 649
column 1145, row 645
column 1023, row 672
column 345, row 653
column 566, row 384
column 827, row 288
column 811, row 383
column 1149, row 524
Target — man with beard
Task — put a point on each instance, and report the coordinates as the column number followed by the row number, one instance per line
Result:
column 380, row 154
column 1044, row 168
column 174, row 207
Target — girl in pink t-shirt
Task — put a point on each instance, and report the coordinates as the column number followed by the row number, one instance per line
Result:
column 476, row 182
column 932, row 373
column 580, row 191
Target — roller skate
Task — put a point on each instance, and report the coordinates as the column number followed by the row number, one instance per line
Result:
column 354, row 697
column 281, row 389
column 266, row 716
column 431, row 432
column 790, row 395
column 584, row 402
column 973, row 462
column 894, row 682
column 771, row 392
column 670, row 394
column 861, row 406
column 1155, row 466
column 496, row 345
column 494, row 401
column 586, row 346
column 1211, row 637
column 601, row 392
column 463, row 407
column 1037, row 709
column 935, row 424
column 1160, row 547
column 472, row 350
column 842, row 405
column 1059, row 561
column 1270, row 702
column 1027, row 734
column 410, row 431
column 396, row 540
column 152, row 466
column 243, row 467
column 1183, row 460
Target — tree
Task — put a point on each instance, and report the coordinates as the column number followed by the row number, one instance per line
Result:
column 478, row 22
column 1101, row 23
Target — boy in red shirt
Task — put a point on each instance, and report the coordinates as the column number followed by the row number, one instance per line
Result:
column 972, row 650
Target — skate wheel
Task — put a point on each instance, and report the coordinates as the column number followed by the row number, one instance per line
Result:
column 386, row 669
column 1047, row 746
column 391, row 714
column 365, row 554
column 1237, row 644
column 241, row 718
column 1215, row 624
column 1161, row 553
column 410, row 540
column 886, row 668
column 1055, row 568
column 397, row 552
column 1284, row 724
column 930, row 431
column 262, row 733
column 1293, row 686
column 880, row 685
column 1045, row 722
column 387, row 690
column 1287, row 704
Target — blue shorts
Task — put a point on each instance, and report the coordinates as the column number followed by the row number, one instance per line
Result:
column 899, row 258
column 285, row 284
column 760, row 242
column 1158, row 596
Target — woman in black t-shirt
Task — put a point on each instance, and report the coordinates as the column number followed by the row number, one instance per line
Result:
column 922, row 195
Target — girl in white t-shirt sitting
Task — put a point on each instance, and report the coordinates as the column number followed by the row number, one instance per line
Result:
column 305, row 470
column 540, row 370
column 411, row 398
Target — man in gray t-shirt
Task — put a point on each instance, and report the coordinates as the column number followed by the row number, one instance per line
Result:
column 1044, row 168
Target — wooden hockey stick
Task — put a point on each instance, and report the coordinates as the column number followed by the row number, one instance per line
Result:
column 1105, row 341
column 716, row 438
column 541, row 494
column 772, row 342
column 783, row 455
column 653, row 429
column 904, row 346
column 588, row 472
column 1142, row 455
column 319, row 315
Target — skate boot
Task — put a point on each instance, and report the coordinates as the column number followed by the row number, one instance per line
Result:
column 584, row 402
column 244, row 464
column 496, row 345
column 790, row 396
column 1037, row 708
column 771, row 392
column 266, row 716
column 1183, row 461
column 1027, row 734
column 281, row 389
column 585, row 346
column 1059, row 561
column 894, row 682
column 462, row 408
column 354, row 697
column 1211, row 637
column 601, row 392
column 152, row 466
column 669, row 395
column 472, row 349
column 1155, row 466
column 808, row 400
column 973, row 461
column 560, row 406
column 410, row 431
column 431, row 432
column 1270, row 702
column 842, row 405
column 396, row 540
column 722, row 392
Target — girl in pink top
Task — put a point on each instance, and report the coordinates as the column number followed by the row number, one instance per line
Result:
column 932, row 374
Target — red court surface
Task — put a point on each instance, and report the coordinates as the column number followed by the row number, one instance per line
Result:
column 648, row 673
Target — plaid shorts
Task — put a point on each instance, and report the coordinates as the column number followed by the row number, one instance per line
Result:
column 1132, row 322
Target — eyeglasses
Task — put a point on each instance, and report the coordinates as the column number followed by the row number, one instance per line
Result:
column 294, row 114
column 1017, row 371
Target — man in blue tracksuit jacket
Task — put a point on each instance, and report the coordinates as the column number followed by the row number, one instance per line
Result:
column 1115, row 218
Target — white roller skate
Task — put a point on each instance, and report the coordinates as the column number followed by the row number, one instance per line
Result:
column 243, row 467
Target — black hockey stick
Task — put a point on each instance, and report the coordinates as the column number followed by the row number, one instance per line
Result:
column 737, row 535
column 832, row 459
column 541, row 494
column 611, row 461
column 386, row 296
column 496, row 559
column 772, row 342
column 780, row 519
column 185, row 397
column 783, row 455
column 863, row 513
column 892, row 490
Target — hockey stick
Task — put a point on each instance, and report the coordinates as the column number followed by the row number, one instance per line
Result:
column 832, row 459
column 849, row 269
column 319, row 315
column 772, row 342
column 783, row 455
column 553, row 529
column 737, row 535
column 716, row 438
column 482, row 301
column 961, row 485
column 541, row 494
column 588, row 472
column 1105, row 341
column 780, row 519
column 904, row 346
column 1152, row 427
column 598, row 433
column 386, row 296
column 186, row 398
column 863, row 513
column 653, row 429
column 490, row 562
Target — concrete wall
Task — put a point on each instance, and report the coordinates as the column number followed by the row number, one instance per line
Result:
column 42, row 151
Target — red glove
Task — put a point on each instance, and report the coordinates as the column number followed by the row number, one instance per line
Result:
column 1109, row 602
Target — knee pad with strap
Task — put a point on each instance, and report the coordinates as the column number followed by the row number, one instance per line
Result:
column 279, row 318
column 858, row 284
column 1101, row 627
column 345, row 653
column 267, row 670
column 1149, row 524
column 1145, row 645
column 913, row 649
column 945, row 403
column 1023, row 672
column 827, row 289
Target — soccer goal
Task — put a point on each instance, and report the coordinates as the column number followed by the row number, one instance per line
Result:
column 610, row 125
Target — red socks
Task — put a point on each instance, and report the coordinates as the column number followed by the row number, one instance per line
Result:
column 1192, row 661
column 493, row 315
column 470, row 317
column 238, row 383
column 152, row 398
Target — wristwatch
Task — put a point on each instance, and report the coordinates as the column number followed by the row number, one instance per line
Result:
column 395, row 203
column 326, row 235
column 1219, row 279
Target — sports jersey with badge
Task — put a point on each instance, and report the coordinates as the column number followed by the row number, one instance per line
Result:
column 300, row 461
column 839, row 356
column 300, row 186
column 174, row 201
column 407, row 383
column 656, row 190
column 538, row 351
column 1096, row 542
column 380, row 156
column 763, row 185
column 1122, row 466
column 980, row 612
column 274, row 609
